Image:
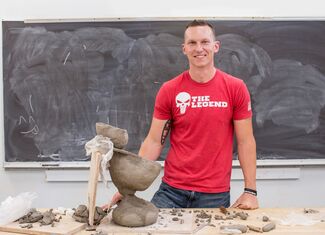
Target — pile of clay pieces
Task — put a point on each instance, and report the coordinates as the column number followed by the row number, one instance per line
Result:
column 203, row 218
column 33, row 216
column 53, row 216
column 81, row 214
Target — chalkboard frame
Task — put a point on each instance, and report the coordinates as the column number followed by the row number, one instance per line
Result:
column 274, row 162
column 86, row 165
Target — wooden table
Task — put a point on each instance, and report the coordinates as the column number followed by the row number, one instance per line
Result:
column 255, row 218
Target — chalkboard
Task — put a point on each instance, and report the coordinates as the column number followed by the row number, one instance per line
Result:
column 59, row 79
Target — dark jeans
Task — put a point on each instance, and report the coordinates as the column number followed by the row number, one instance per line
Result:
column 170, row 197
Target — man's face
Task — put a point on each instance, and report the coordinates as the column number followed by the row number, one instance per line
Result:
column 199, row 46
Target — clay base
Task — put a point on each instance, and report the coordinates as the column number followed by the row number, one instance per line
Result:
column 134, row 212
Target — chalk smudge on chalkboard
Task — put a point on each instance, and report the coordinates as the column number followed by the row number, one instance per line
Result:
column 70, row 88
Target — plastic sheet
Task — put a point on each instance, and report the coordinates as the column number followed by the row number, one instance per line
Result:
column 12, row 208
column 105, row 146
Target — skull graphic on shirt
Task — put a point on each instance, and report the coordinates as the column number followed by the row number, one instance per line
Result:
column 183, row 101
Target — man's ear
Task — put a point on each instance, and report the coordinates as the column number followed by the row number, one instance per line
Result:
column 216, row 46
column 183, row 49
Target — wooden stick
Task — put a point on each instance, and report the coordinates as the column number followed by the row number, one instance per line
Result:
column 92, row 184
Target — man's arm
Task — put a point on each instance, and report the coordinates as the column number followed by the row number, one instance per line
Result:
column 154, row 142
column 246, row 147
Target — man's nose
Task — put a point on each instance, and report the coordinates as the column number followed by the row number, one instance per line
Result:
column 199, row 47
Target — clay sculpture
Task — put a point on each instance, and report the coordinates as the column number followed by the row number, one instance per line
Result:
column 130, row 173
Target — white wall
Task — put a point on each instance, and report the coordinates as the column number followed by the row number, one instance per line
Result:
column 296, row 186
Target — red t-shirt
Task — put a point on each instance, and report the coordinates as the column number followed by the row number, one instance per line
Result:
column 201, row 136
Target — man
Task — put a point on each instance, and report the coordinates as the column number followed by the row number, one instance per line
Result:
column 202, row 108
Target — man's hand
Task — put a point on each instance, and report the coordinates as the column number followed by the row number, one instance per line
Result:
column 246, row 201
column 115, row 199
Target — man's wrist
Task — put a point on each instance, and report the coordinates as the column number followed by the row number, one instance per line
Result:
column 250, row 191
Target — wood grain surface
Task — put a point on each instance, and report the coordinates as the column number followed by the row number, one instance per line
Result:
column 187, row 223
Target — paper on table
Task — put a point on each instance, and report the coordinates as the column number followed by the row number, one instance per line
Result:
column 298, row 219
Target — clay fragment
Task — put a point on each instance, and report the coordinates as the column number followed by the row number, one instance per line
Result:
column 48, row 218
column 203, row 215
column 82, row 213
column 99, row 215
column 31, row 217
column 28, row 226
column 239, row 227
column 268, row 227
column 265, row 218
column 310, row 211
column 218, row 217
column 242, row 215
column 100, row 233
column 223, row 210
column 254, row 228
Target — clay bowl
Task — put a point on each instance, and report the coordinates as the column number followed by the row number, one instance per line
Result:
column 131, row 173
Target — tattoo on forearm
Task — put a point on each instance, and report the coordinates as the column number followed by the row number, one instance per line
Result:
column 165, row 131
